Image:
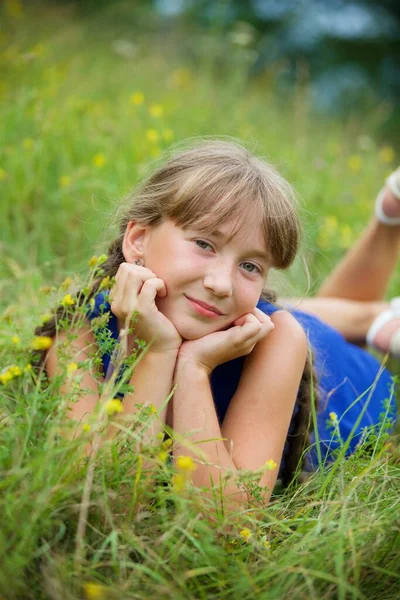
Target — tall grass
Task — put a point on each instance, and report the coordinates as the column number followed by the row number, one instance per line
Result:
column 82, row 119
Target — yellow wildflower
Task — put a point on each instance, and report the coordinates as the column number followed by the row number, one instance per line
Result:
column 64, row 180
column 9, row 373
column 168, row 134
column 105, row 283
column 152, row 135
column 15, row 370
column 3, row 174
column 153, row 409
column 28, row 143
column 137, row 98
column 16, row 340
column 86, row 427
column 99, row 160
column 45, row 289
column 156, row 110
column 271, row 464
column 333, row 416
column 94, row 591
column 185, row 463
column 386, row 154
column 93, row 261
column 41, row 342
column 67, row 301
column 354, row 163
column 46, row 317
column 267, row 545
column 114, row 406
column 163, row 455
column 28, row 368
column 71, row 368
column 66, row 283
column 245, row 534
column 97, row 260
column 178, row 482
column 5, row 376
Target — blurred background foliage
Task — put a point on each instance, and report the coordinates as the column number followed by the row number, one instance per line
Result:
column 348, row 50
column 93, row 92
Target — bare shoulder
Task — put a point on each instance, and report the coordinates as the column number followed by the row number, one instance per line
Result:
column 288, row 328
column 80, row 343
column 286, row 322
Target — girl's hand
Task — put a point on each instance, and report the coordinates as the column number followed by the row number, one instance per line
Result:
column 135, row 290
column 239, row 340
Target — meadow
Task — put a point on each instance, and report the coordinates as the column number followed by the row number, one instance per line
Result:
column 88, row 105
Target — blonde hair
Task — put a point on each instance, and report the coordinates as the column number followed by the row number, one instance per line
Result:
column 209, row 182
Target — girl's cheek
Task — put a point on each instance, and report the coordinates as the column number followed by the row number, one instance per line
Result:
column 249, row 298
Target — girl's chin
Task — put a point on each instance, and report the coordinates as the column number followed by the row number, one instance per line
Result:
column 190, row 331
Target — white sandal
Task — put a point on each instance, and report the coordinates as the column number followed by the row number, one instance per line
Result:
column 393, row 181
column 381, row 320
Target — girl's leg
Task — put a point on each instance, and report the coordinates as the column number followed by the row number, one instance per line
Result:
column 351, row 317
column 351, row 298
column 364, row 272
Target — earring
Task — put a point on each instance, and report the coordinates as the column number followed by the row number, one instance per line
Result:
column 138, row 262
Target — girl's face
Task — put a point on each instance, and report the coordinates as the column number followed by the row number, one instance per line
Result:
column 226, row 274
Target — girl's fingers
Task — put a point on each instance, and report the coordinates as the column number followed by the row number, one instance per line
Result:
column 129, row 280
column 131, row 276
column 150, row 289
column 261, row 316
column 248, row 330
column 247, row 318
column 117, row 291
column 253, row 330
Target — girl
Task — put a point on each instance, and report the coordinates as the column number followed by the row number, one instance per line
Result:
column 191, row 260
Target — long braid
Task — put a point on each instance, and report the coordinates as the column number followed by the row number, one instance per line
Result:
column 109, row 268
column 298, row 438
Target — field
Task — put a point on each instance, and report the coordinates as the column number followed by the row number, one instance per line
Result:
column 88, row 105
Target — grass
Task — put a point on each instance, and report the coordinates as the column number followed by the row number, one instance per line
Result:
column 75, row 138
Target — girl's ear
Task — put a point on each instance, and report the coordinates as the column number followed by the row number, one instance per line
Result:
column 133, row 242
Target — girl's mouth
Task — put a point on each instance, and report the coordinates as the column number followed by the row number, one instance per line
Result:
column 202, row 310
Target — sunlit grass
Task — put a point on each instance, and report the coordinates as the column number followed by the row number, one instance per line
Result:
column 83, row 118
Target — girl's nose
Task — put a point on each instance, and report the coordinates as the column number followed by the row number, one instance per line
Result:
column 218, row 279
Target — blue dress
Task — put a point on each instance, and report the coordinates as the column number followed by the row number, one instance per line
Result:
column 352, row 383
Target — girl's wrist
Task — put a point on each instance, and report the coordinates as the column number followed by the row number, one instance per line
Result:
column 167, row 352
column 185, row 364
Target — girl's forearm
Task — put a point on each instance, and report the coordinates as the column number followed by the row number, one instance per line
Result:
column 152, row 380
column 194, row 417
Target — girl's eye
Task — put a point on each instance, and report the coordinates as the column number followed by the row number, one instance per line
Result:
column 206, row 246
column 202, row 244
column 254, row 268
